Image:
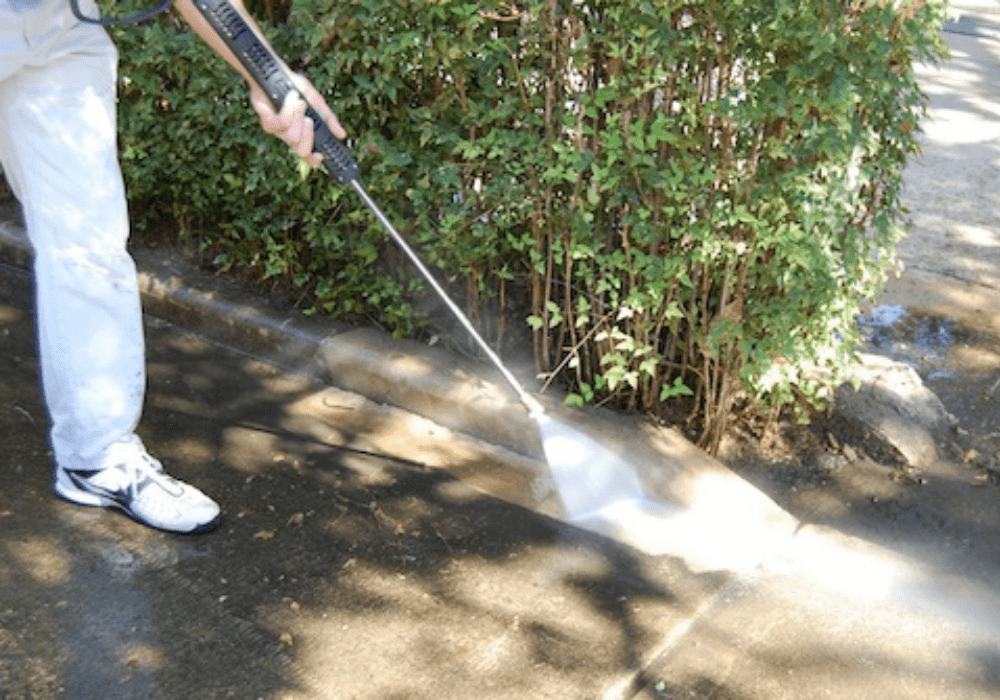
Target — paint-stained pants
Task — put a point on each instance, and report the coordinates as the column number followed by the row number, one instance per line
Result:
column 58, row 151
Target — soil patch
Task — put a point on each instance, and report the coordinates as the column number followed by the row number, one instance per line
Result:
column 831, row 473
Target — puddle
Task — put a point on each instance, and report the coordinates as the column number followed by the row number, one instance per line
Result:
column 882, row 316
column 959, row 364
column 108, row 628
column 927, row 343
column 15, row 284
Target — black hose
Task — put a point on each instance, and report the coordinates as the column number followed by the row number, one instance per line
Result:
column 137, row 18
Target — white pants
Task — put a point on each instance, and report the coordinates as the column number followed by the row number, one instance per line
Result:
column 58, row 150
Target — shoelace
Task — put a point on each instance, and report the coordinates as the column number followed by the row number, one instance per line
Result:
column 131, row 455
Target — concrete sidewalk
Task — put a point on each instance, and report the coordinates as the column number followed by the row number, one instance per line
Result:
column 381, row 544
column 354, row 563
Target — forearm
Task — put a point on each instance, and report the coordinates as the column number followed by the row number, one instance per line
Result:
column 288, row 121
column 204, row 30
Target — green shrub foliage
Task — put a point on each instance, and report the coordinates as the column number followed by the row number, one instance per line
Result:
column 679, row 198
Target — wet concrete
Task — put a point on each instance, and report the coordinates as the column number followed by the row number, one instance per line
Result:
column 371, row 553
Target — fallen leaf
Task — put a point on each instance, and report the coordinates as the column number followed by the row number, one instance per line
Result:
column 263, row 535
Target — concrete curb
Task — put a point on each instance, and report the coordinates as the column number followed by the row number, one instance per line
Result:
column 455, row 392
column 893, row 404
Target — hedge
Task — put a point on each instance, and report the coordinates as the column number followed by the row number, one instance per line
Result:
column 663, row 199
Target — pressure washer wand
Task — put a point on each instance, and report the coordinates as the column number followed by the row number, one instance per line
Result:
column 270, row 74
column 534, row 408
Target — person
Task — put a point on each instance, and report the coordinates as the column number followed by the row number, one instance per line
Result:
column 58, row 152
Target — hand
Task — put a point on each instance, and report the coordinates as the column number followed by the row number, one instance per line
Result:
column 291, row 124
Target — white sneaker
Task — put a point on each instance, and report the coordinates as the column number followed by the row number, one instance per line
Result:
column 135, row 483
